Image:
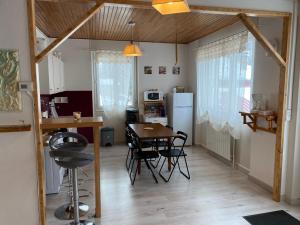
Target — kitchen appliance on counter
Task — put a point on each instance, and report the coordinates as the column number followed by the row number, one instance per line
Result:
column 180, row 112
column 153, row 95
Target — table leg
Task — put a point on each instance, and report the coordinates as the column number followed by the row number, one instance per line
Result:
column 139, row 161
column 169, row 158
column 97, row 171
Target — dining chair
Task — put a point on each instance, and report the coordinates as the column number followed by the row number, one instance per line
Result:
column 140, row 155
column 175, row 153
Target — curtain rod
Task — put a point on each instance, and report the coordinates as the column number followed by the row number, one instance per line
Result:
column 196, row 48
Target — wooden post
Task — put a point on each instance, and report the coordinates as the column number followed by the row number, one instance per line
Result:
column 97, row 170
column 36, row 112
column 262, row 39
column 281, row 109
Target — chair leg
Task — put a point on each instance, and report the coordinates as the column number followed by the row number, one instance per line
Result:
column 188, row 176
column 162, row 176
column 149, row 167
column 155, row 166
column 130, row 176
column 126, row 161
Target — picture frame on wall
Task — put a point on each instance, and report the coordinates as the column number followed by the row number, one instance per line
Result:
column 176, row 70
column 162, row 70
column 148, row 70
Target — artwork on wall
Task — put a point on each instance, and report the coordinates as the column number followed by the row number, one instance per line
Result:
column 148, row 70
column 10, row 97
column 162, row 70
column 176, row 70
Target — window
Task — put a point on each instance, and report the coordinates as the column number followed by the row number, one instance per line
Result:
column 114, row 82
column 224, row 81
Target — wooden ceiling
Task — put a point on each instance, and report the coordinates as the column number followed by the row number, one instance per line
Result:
column 111, row 23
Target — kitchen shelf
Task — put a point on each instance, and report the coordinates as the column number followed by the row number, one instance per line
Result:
column 15, row 128
column 253, row 117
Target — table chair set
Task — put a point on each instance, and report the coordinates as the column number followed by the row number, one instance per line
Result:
column 163, row 149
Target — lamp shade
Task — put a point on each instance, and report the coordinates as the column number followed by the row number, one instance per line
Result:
column 132, row 50
column 166, row 7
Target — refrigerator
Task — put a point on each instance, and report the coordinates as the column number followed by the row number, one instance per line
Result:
column 180, row 110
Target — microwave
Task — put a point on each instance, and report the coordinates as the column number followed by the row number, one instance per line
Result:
column 153, row 96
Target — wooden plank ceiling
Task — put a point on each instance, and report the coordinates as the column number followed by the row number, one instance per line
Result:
column 111, row 23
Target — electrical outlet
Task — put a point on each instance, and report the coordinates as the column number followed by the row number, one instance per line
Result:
column 25, row 86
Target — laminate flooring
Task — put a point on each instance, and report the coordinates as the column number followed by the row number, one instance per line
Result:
column 216, row 194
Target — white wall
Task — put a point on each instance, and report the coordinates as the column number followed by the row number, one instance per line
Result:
column 78, row 76
column 18, row 189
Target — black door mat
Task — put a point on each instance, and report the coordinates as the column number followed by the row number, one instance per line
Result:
column 272, row 218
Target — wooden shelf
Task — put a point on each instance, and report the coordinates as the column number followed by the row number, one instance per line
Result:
column 15, row 128
column 253, row 117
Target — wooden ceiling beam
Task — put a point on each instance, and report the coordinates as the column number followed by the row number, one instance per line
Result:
column 251, row 26
column 194, row 8
column 66, row 34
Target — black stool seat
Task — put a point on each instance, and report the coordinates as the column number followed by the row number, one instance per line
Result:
column 71, row 141
column 172, row 153
column 71, row 159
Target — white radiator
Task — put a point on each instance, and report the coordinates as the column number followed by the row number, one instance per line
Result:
column 220, row 143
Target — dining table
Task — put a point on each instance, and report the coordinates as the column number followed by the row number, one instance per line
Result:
column 153, row 131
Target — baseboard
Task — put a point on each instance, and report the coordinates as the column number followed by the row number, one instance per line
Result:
column 292, row 201
column 215, row 155
column 260, row 183
column 243, row 169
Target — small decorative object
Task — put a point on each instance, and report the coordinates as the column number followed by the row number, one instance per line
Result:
column 176, row 70
column 162, row 70
column 258, row 103
column 10, row 97
column 77, row 115
column 148, row 70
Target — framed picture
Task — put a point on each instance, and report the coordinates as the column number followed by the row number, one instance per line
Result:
column 162, row 70
column 148, row 70
column 10, row 97
column 176, row 70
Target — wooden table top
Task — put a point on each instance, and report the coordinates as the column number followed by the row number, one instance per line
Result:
column 69, row 122
column 152, row 131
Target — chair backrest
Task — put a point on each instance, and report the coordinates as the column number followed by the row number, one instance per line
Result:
column 68, row 141
column 182, row 137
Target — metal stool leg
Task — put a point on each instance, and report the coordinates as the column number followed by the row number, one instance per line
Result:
column 66, row 211
column 77, row 221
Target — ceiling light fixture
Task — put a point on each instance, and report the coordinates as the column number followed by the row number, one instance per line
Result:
column 132, row 49
column 166, row 7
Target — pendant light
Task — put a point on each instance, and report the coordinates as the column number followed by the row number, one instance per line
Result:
column 166, row 7
column 132, row 49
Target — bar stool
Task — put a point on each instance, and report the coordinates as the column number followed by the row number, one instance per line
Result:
column 73, row 160
column 72, row 142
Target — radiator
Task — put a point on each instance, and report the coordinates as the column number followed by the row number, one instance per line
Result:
column 221, row 143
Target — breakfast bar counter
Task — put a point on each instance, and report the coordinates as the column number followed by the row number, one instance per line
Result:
column 95, row 123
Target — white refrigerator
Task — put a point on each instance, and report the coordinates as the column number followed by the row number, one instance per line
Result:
column 180, row 110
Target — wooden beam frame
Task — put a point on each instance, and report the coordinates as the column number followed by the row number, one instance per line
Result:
column 36, row 112
column 251, row 26
column 242, row 13
column 285, row 49
column 65, row 35
column 194, row 8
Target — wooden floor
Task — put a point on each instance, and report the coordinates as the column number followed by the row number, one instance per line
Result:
column 215, row 195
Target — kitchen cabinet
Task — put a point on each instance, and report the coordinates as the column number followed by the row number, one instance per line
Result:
column 51, row 74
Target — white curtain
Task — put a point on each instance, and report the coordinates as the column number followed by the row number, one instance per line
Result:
column 224, row 79
column 114, row 83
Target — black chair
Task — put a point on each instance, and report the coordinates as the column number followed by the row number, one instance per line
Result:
column 68, row 141
column 131, row 148
column 175, row 154
column 140, row 155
